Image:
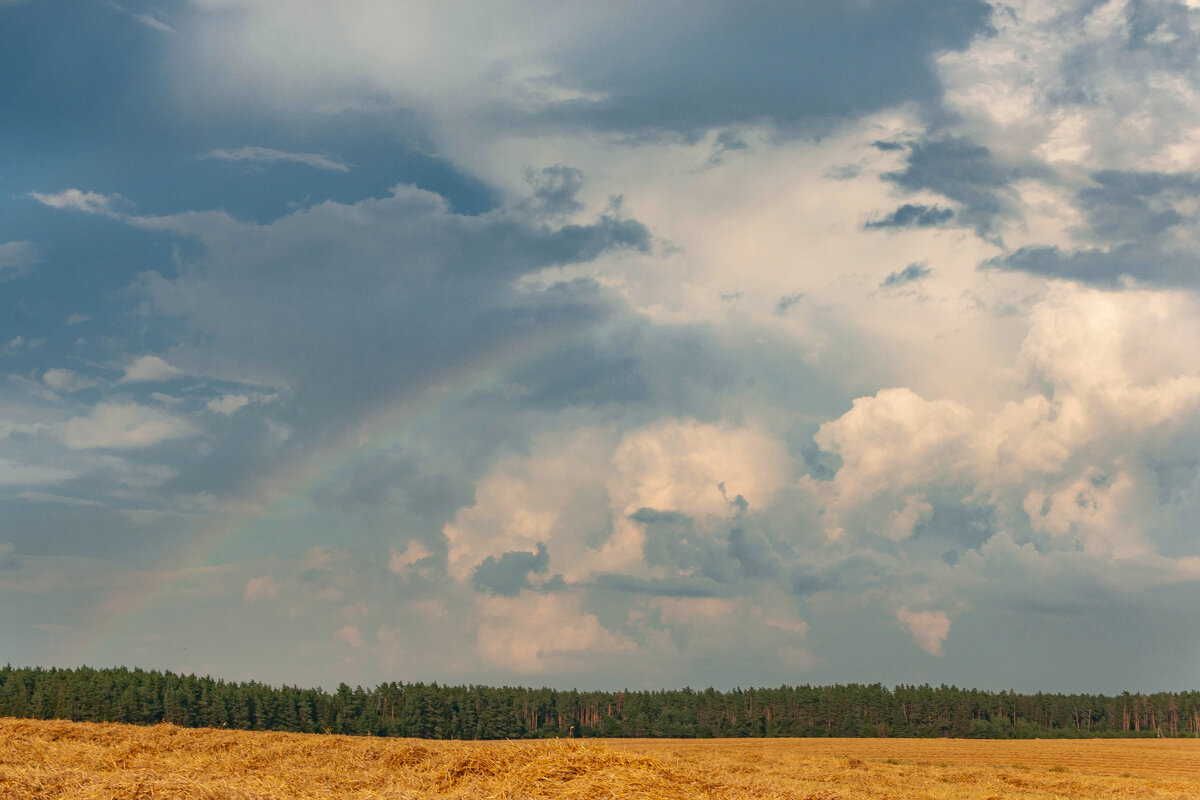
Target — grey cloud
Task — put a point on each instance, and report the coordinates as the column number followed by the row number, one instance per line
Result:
column 910, row 274
column 753, row 551
column 793, row 65
column 1164, row 29
column 1103, row 267
column 509, row 574
column 962, row 171
column 912, row 215
column 1135, row 219
column 555, row 188
column 346, row 303
column 805, row 581
column 1127, row 205
column 661, row 587
column 786, row 302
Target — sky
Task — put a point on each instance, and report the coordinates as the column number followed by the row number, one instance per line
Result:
column 602, row 345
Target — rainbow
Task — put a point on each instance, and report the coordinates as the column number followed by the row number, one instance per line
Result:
column 285, row 494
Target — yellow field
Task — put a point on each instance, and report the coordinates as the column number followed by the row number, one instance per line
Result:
column 84, row 761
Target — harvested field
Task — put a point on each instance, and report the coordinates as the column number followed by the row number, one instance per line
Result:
column 84, row 761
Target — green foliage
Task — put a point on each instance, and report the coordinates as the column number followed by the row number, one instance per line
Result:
column 483, row 712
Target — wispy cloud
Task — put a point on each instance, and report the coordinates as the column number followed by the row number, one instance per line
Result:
column 43, row 497
column 145, row 19
column 124, row 426
column 78, row 200
column 16, row 258
column 268, row 155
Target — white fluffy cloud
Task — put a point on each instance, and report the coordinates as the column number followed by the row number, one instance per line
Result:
column 148, row 369
column 571, row 485
column 1076, row 83
column 1071, row 456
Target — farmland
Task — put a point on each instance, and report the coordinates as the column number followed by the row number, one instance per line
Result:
column 89, row 761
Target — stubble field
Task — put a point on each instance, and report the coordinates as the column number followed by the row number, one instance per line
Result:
column 83, row 761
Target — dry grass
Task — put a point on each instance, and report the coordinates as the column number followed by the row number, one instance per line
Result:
column 118, row 762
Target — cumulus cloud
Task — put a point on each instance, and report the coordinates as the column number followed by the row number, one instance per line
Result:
column 928, row 629
column 267, row 155
column 532, row 633
column 125, row 426
column 149, row 368
column 572, row 507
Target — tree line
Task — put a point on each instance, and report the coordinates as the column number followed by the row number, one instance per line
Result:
column 433, row 711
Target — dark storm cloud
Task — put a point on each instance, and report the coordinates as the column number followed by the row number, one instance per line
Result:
column 911, row 215
column 1134, row 218
column 1124, row 205
column 910, row 274
column 790, row 64
column 509, row 574
column 962, row 171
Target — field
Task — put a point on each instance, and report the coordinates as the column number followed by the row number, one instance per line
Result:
column 84, row 761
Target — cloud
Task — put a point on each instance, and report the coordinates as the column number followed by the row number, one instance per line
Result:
column 350, row 635
column 261, row 588
column 910, row 274
column 64, row 380
column 591, row 69
column 145, row 19
column 227, row 404
column 147, row 369
column 16, row 258
column 43, row 497
column 959, row 170
column 787, row 301
column 533, row 633
column 125, row 426
column 17, row 474
column 401, row 560
column 77, row 200
column 911, row 215
column 75, row 319
column 1134, row 225
column 580, row 504
column 928, row 629
column 509, row 574
column 267, row 155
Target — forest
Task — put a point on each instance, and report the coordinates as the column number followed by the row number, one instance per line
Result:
column 434, row 711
